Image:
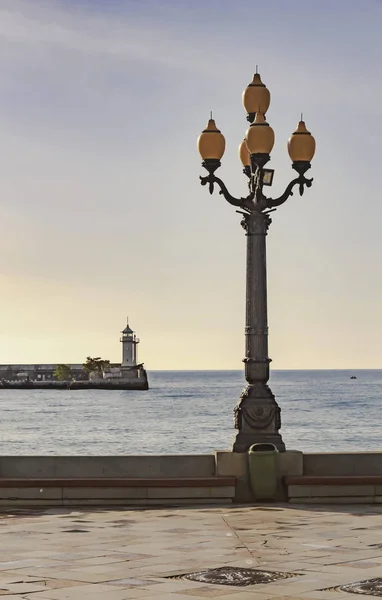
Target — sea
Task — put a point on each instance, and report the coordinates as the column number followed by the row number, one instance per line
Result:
column 191, row 412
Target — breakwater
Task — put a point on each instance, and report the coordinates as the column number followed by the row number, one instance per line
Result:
column 139, row 383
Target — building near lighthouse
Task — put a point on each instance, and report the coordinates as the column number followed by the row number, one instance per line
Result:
column 127, row 369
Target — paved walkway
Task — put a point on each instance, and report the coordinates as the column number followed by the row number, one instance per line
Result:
column 123, row 554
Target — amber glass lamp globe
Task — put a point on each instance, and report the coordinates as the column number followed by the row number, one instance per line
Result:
column 301, row 144
column 260, row 136
column 211, row 142
column 256, row 96
column 244, row 154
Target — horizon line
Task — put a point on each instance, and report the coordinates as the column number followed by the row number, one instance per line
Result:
column 239, row 371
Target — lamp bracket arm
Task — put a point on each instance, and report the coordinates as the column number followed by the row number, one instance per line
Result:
column 212, row 179
column 301, row 181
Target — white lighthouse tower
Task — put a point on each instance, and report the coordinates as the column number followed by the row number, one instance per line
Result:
column 129, row 347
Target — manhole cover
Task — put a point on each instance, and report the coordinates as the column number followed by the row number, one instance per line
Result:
column 370, row 587
column 235, row 576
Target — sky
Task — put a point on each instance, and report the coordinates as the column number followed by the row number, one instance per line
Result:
column 102, row 214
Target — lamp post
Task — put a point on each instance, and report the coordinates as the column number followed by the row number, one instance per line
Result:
column 257, row 415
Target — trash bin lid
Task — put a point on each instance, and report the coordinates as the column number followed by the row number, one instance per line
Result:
column 263, row 447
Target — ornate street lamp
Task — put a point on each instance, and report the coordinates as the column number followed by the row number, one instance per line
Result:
column 257, row 415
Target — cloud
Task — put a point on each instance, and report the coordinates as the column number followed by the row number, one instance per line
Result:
column 35, row 25
column 90, row 42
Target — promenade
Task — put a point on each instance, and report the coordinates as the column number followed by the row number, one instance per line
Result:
column 63, row 554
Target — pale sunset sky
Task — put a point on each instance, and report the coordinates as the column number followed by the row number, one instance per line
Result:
column 102, row 214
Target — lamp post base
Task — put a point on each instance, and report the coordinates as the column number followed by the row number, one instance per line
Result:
column 257, row 417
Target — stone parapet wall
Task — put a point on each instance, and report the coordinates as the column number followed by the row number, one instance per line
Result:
column 342, row 463
column 292, row 463
column 173, row 465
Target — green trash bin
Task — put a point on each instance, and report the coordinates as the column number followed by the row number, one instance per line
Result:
column 262, row 466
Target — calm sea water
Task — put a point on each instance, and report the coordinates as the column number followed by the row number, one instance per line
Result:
column 191, row 412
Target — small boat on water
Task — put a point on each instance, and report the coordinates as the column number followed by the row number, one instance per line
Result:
column 353, row 377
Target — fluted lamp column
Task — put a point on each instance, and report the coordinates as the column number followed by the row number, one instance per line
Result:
column 257, row 415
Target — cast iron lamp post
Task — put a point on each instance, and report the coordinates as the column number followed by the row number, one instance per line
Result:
column 257, row 415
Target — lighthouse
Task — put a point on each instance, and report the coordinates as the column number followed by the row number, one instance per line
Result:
column 129, row 347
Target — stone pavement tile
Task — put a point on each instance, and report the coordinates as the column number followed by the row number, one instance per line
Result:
column 61, row 583
column 212, row 591
column 176, row 596
column 115, row 595
column 296, row 566
column 100, row 569
column 294, row 586
column 338, row 580
column 118, row 594
column 298, row 552
column 245, row 563
column 48, row 554
column 214, row 559
column 22, row 588
column 197, row 566
column 64, row 556
column 9, row 577
column 166, row 570
column 344, row 568
column 137, row 550
column 3, row 591
column 99, row 560
column 242, row 594
column 331, row 560
column 127, row 574
column 133, row 582
column 175, row 586
column 21, row 564
column 130, row 555
column 10, row 597
column 364, row 564
column 17, row 577
column 300, row 591
column 93, row 592
column 80, row 576
column 153, row 560
column 324, row 595
column 180, row 530
column 180, row 569
column 127, row 594
column 309, row 596
column 6, row 557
